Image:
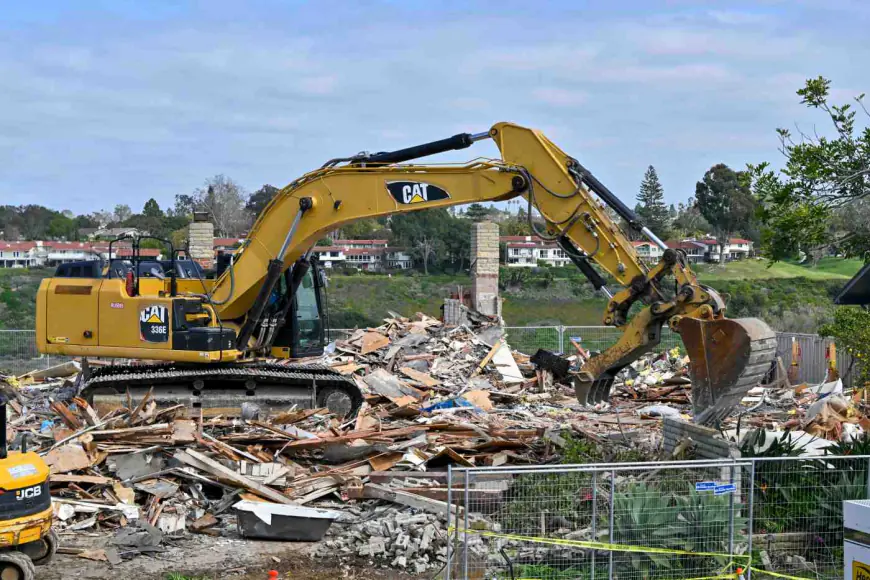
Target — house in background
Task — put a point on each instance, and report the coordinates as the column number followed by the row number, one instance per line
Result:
column 368, row 255
column 709, row 250
column 527, row 251
column 48, row 253
column 230, row 245
column 647, row 251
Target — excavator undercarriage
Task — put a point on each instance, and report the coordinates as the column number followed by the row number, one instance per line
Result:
column 230, row 389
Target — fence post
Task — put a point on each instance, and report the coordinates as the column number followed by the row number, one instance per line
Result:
column 465, row 525
column 449, row 504
column 594, row 518
column 868, row 478
column 561, row 339
column 731, row 518
column 750, row 522
column 612, row 520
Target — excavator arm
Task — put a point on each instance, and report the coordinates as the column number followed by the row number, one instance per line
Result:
column 728, row 356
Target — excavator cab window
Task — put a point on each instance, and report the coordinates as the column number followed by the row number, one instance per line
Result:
column 308, row 321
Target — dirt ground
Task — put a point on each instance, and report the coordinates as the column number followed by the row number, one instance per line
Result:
column 201, row 557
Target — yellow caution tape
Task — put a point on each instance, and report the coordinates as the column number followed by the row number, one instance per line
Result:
column 605, row 546
column 778, row 575
column 600, row 545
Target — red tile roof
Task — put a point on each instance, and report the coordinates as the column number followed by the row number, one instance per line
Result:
column 226, row 242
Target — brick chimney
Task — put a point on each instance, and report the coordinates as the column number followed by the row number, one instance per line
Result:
column 200, row 238
column 484, row 269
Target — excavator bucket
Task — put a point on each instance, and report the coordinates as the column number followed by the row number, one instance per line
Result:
column 727, row 358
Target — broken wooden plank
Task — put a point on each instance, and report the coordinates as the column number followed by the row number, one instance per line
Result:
column 68, row 417
column 432, row 506
column 388, row 385
column 372, row 341
column 200, row 461
column 421, row 377
column 88, row 479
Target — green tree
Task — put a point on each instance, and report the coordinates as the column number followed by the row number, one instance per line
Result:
column 61, row 228
column 260, row 199
column 360, row 229
column 122, row 213
column 429, row 235
column 476, row 212
column 458, row 243
column 152, row 209
column 851, row 330
column 823, row 177
column 651, row 204
column 724, row 199
column 689, row 222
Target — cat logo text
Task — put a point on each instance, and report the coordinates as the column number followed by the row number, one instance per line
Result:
column 154, row 323
column 412, row 192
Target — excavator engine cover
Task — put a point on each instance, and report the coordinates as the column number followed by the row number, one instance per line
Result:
column 727, row 358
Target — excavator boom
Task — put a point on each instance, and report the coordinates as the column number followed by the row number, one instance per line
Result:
column 572, row 203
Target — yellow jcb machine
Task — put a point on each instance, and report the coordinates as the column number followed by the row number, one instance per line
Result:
column 212, row 334
column 26, row 536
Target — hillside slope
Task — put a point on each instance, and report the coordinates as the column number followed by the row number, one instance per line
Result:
column 789, row 296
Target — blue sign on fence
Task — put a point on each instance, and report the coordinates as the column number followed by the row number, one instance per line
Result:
column 705, row 486
column 723, row 489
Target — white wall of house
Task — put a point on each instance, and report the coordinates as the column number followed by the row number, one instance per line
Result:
column 523, row 255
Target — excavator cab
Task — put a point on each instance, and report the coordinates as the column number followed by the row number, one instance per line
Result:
column 304, row 333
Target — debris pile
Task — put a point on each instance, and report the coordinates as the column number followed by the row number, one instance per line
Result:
column 390, row 536
column 375, row 484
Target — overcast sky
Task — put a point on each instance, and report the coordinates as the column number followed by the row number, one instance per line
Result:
column 123, row 100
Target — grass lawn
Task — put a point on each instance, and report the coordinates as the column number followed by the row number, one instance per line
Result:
column 828, row 268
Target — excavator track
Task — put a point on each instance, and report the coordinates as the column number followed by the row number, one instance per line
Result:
column 224, row 389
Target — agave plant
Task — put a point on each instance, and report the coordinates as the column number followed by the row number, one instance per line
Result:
column 704, row 524
column 688, row 521
column 637, row 514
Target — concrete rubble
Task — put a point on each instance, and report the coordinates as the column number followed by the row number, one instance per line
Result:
column 435, row 396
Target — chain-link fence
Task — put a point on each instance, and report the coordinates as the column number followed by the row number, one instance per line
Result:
column 18, row 353
column 697, row 519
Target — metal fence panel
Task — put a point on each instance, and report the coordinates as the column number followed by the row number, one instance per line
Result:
column 812, row 357
column 654, row 520
column 18, row 352
column 598, row 338
column 528, row 339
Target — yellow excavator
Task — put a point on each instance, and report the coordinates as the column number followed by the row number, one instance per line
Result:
column 217, row 336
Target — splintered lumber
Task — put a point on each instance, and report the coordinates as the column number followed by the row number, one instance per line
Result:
column 372, row 341
column 420, row 377
column 388, row 385
column 488, row 357
column 68, row 458
column 67, row 416
column 88, row 479
column 200, row 461
column 433, row 506
column 386, row 434
column 89, row 414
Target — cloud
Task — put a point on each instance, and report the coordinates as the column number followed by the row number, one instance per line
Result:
column 738, row 17
column 560, row 97
column 127, row 106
